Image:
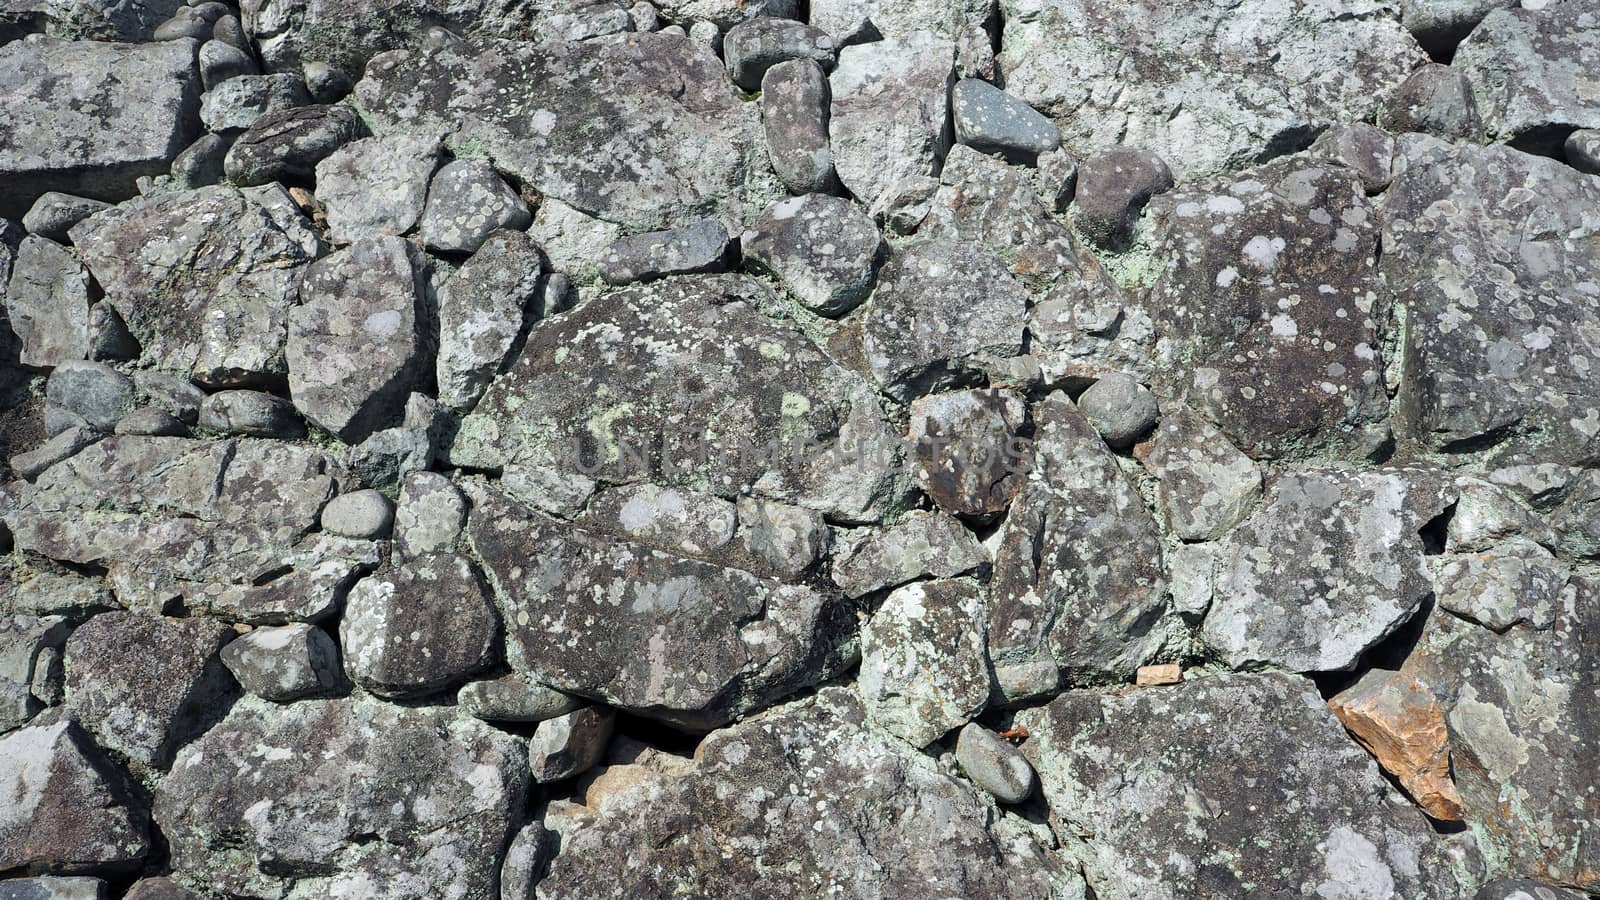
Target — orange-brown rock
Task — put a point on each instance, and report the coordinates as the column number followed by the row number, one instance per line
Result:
column 1166, row 673
column 1398, row 720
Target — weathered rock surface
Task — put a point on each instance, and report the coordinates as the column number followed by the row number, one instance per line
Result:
column 697, row 247
column 844, row 789
column 419, row 628
column 823, row 250
column 795, row 105
column 67, row 808
column 989, row 120
column 924, row 671
column 730, row 399
column 47, row 302
column 677, row 147
column 287, row 145
column 1528, row 69
column 285, row 663
column 1206, row 486
column 30, row 666
column 482, row 311
column 968, row 451
column 1398, row 720
column 204, row 280
column 1478, row 366
column 570, row 744
column 376, row 185
column 1207, row 88
column 753, row 47
column 90, row 118
column 1329, row 565
column 1269, row 305
column 1259, row 787
column 890, row 111
column 468, row 202
column 354, row 348
column 145, row 685
column 690, row 642
column 328, row 797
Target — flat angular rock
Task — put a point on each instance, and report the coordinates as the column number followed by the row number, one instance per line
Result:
column 285, row 663
column 354, row 349
column 989, row 120
column 67, row 807
column 943, row 312
column 47, row 302
column 157, row 888
column 678, row 148
column 823, row 250
column 1328, row 566
column 63, row 445
column 570, row 744
column 145, row 684
column 1254, row 767
column 1522, row 734
column 924, row 671
column 1078, row 577
column 1217, row 88
column 967, row 449
column 514, row 698
column 331, row 797
column 418, row 628
column 795, row 104
column 890, row 106
column 376, row 186
column 287, row 145
column 1282, row 352
column 682, row 522
column 482, row 310
column 753, row 47
column 467, row 202
column 1396, row 718
column 30, row 666
column 129, row 108
column 203, row 279
column 1475, row 368
column 698, row 247
column 691, row 643
column 1529, row 71
column 837, row 770
column 743, row 401
column 921, row 544
column 1515, row 583
column 1206, row 486
column 789, row 540
column 102, row 20
column 94, row 392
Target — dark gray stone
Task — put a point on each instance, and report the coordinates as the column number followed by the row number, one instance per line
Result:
column 989, row 120
column 569, row 744
column 128, row 108
column 920, row 545
column 700, row 247
column 1582, row 148
column 968, row 451
column 795, row 101
column 94, row 391
column 993, row 764
column 753, row 47
column 418, row 628
column 1434, row 100
column 467, row 202
column 240, row 102
column 153, row 421
column 285, row 663
column 514, row 698
column 1364, row 149
column 67, row 807
column 823, row 250
column 54, row 213
column 251, row 414
column 201, row 163
column 287, row 145
column 1113, row 187
column 63, row 445
column 1439, row 25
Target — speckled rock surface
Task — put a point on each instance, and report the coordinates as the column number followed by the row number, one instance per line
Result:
column 67, row 807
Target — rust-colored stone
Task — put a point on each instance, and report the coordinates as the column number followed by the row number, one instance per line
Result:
column 1166, row 673
column 1398, row 720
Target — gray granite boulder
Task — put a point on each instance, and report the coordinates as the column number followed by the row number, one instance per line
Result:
column 994, row 765
column 1328, row 566
column 514, row 698
column 1204, row 484
column 823, row 250
column 1218, row 87
column 697, row 247
column 127, row 108
column 354, row 346
column 47, row 303
column 1435, row 100
column 1528, row 70
column 238, row 103
column 744, row 400
column 54, row 214
column 843, row 789
column 1364, row 149
column 94, row 392
column 327, row 797
column 1113, row 187
column 252, row 414
column 1475, row 368
column 676, row 147
column 67, row 807
column 1440, row 25
column 968, row 452
column 101, row 20
column 890, row 111
column 753, row 47
column 483, row 309
column 1261, row 791
column 921, row 544
column 145, row 685
column 690, row 643
column 204, row 279
column 795, row 104
column 857, row 21
column 1270, row 308
column 428, row 515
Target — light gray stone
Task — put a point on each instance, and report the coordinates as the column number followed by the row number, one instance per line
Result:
column 890, row 111
column 285, row 663
column 569, row 744
column 377, row 185
column 1528, row 71
column 993, row 764
column 514, row 698
column 252, row 414
column 63, row 445
column 921, row 544
column 54, row 214
column 1205, row 485
column 1434, row 100
column 239, row 102
column 94, row 391
column 467, row 202
column 28, row 680
column 359, row 514
column 67, row 807
column 823, row 250
column 482, row 312
column 54, row 887
column 221, row 61
column 856, row 21
column 47, row 302
column 698, row 247
column 1582, row 148
column 429, row 515
column 789, row 539
column 924, row 671
column 1120, row 408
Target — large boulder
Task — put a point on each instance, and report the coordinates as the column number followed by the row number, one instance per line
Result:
column 90, row 118
column 1531, row 70
column 1268, row 306
column 1078, row 583
column 101, row 20
column 812, row 791
column 687, row 382
column 647, row 132
column 658, row 634
column 1523, row 716
column 1208, row 87
column 1330, row 564
column 1256, row 791
column 890, row 113
column 204, row 279
column 1493, row 255
column 330, row 798
column 66, row 807
column 209, row 526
